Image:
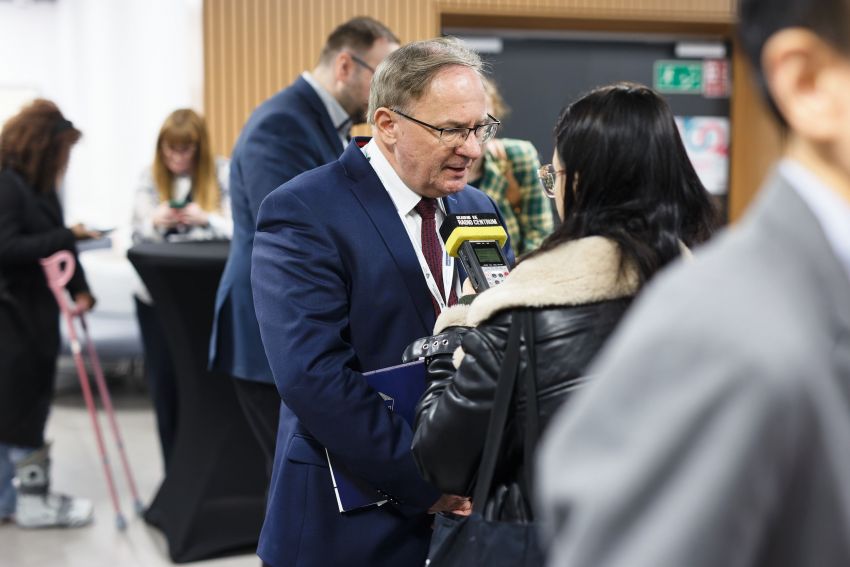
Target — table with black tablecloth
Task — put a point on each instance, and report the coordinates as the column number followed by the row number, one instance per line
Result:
column 212, row 499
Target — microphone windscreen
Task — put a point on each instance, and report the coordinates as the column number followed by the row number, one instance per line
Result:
column 457, row 229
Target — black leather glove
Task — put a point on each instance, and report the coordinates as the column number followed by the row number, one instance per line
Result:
column 439, row 369
column 434, row 345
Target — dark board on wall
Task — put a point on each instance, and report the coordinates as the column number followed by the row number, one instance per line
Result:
column 538, row 77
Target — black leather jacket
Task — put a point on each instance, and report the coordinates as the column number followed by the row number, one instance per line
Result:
column 452, row 417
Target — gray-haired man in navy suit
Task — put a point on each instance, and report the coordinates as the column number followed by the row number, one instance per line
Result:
column 347, row 271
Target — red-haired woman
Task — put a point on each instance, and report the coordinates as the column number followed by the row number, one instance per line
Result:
column 34, row 149
column 182, row 196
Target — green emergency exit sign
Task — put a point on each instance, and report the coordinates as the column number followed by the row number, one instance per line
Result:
column 678, row 76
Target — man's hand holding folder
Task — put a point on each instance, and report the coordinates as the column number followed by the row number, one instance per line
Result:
column 400, row 387
column 460, row 505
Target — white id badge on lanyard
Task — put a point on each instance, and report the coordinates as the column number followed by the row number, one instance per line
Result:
column 429, row 280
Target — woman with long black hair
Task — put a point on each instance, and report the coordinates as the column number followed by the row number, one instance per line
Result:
column 630, row 203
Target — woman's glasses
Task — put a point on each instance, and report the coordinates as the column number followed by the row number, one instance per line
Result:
column 548, row 176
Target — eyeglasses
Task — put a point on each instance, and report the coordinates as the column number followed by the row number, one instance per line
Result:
column 360, row 62
column 548, row 176
column 456, row 137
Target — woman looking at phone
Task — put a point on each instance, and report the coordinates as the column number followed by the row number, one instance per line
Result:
column 184, row 194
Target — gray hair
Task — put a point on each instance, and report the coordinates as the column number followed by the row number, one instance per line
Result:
column 407, row 72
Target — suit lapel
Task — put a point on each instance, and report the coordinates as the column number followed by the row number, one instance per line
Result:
column 328, row 130
column 787, row 217
column 784, row 215
column 379, row 207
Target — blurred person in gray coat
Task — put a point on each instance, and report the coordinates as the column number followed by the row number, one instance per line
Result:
column 716, row 431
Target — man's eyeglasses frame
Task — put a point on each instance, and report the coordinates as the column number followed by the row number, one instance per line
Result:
column 456, row 137
column 360, row 62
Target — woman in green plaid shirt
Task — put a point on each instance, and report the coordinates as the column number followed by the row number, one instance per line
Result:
column 507, row 172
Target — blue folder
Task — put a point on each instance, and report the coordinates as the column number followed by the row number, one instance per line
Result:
column 400, row 387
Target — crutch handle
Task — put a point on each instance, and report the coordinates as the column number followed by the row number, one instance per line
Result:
column 59, row 269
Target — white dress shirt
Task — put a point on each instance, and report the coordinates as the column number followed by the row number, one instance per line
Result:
column 339, row 117
column 405, row 201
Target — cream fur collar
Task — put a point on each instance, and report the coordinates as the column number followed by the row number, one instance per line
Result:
column 577, row 272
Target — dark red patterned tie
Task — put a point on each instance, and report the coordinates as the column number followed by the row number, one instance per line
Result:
column 431, row 249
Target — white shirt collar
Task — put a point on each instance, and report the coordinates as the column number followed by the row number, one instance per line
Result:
column 335, row 110
column 831, row 211
column 404, row 198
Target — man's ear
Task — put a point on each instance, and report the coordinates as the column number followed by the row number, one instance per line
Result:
column 343, row 67
column 385, row 126
column 799, row 67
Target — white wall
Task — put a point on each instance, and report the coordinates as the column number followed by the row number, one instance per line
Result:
column 26, row 53
column 116, row 68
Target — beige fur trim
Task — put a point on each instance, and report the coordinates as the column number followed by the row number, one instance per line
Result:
column 454, row 316
column 457, row 357
column 575, row 273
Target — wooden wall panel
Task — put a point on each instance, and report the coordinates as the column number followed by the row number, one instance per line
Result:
column 252, row 48
column 756, row 139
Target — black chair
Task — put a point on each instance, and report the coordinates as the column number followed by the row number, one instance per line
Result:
column 212, row 500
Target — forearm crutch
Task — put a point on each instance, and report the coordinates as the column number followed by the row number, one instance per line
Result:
column 58, row 269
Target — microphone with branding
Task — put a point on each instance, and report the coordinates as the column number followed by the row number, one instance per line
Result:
column 477, row 239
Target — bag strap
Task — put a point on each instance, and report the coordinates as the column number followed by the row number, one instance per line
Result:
column 532, row 410
column 498, row 415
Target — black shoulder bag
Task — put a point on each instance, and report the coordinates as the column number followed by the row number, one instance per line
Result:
column 500, row 531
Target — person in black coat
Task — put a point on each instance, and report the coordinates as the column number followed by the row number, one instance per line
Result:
column 630, row 202
column 35, row 146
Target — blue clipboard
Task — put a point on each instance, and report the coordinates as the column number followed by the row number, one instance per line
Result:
column 400, row 387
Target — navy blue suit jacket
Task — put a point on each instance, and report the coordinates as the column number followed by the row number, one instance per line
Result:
column 288, row 134
column 339, row 291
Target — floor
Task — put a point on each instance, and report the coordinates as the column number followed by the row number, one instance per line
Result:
column 77, row 470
